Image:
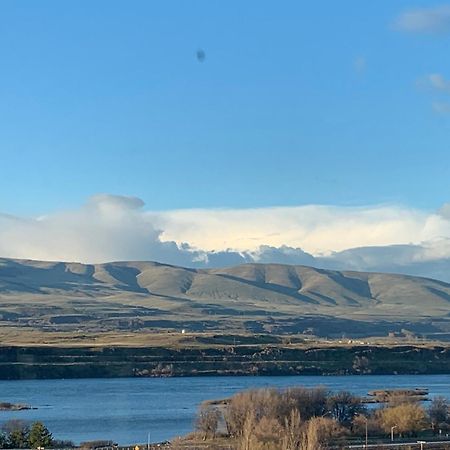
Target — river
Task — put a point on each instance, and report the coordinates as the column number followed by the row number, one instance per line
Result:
column 127, row 409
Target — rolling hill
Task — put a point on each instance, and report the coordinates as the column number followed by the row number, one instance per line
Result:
column 250, row 297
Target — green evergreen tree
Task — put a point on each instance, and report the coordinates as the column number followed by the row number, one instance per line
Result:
column 40, row 436
column 18, row 438
column 18, row 432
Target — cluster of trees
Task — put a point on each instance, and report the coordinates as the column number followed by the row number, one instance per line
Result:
column 314, row 419
column 18, row 434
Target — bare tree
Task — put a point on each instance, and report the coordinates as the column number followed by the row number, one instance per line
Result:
column 319, row 433
column 438, row 412
column 309, row 402
column 247, row 438
column 268, row 433
column 260, row 402
column 207, row 421
column 344, row 406
column 292, row 431
column 310, row 437
column 408, row 418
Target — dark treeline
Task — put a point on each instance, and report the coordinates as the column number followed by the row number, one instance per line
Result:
column 20, row 434
column 315, row 419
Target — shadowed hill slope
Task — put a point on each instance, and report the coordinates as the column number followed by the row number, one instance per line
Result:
column 253, row 297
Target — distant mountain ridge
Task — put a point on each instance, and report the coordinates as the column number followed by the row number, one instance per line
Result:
column 249, row 297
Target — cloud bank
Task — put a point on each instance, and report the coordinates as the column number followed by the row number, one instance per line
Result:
column 386, row 238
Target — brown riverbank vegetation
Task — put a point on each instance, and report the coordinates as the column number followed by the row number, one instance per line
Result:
column 313, row 419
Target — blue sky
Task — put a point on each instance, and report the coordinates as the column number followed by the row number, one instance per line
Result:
column 312, row 133
column 296, row 103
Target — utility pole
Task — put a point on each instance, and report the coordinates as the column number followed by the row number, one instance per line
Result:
column 367, row 434
column 148, row 441
column 392, row 432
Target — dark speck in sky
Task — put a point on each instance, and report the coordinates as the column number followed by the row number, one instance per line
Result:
column 200, row 55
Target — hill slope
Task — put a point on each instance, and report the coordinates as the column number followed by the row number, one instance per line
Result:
column 254, row 297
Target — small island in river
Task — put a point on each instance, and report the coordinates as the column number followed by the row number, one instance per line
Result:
column 7, row 406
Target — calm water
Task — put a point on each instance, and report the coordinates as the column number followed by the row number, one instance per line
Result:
column 126, row 409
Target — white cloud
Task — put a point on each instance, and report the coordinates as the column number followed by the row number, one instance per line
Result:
column 106, row 228
column 425, row 20
column 110, row 228
column 444, row 211
column 315, row 229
